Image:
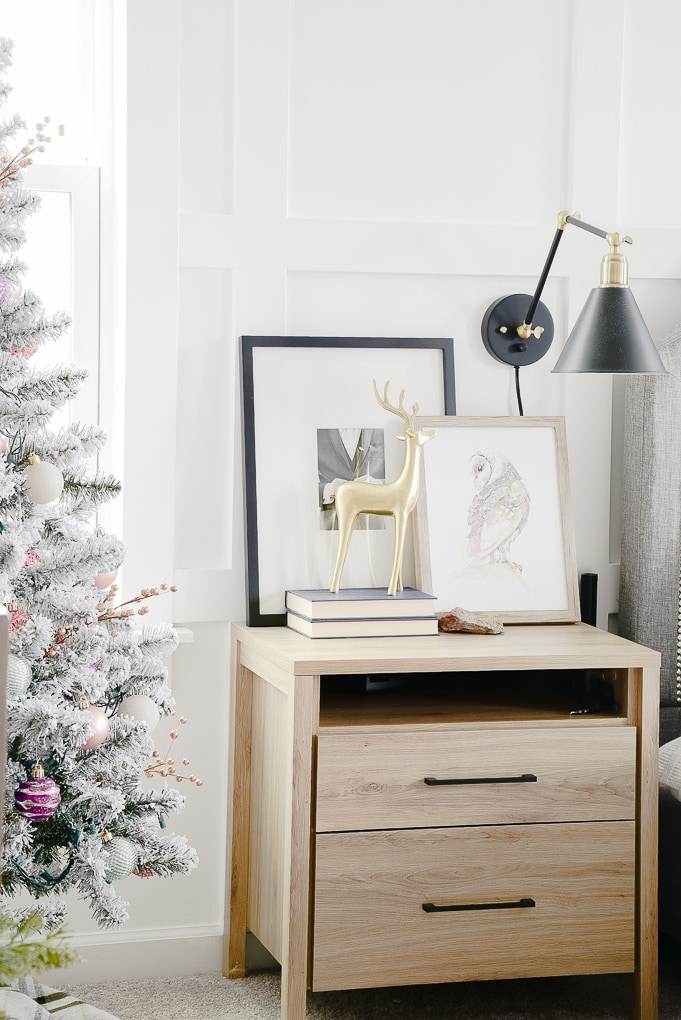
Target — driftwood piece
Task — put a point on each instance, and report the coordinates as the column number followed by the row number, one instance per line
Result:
column 466, row 622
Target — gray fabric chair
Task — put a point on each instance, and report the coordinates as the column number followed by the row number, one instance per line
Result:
column 649, row 605
column 670, row 838
column 651, row 524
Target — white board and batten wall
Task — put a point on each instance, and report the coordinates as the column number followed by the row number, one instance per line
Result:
column 361, row 168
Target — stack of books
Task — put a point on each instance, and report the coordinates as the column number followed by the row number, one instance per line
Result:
column 360, row 612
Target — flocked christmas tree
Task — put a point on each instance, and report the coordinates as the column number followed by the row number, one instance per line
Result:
column 87, row 679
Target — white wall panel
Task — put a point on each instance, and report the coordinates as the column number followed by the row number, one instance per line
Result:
column 595, row 88
column 429, row 110
column 205, row 441
column 651, row 95
column 148, row 327
column 206, row 112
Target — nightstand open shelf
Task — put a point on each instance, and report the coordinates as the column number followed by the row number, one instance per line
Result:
column 454, row 822
column 451, row 698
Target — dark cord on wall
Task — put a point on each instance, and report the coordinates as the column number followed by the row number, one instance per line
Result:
column 517, row 390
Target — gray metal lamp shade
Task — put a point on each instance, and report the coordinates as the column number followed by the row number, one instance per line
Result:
column 610, row 336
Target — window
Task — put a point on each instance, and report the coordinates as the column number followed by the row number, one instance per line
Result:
column 56, row 71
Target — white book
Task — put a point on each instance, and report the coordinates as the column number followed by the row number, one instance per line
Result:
column 412, row 626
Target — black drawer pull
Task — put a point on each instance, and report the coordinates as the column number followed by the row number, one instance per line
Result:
column 527, row 777
column 525, row 901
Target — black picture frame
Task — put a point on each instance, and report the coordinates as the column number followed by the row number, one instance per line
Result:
column 285, row 382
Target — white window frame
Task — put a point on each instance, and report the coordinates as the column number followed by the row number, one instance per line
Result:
column 82, row 185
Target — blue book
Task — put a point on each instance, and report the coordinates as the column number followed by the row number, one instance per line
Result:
column 359, row 603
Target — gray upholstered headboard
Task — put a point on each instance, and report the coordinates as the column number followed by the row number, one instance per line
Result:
column 651, row 523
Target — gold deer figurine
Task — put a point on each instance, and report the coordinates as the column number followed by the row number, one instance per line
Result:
column 394, row 499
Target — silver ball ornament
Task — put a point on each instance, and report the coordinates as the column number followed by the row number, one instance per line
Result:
column 121, row 858
column 18, row 675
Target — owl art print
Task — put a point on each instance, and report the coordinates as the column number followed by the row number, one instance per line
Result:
column 498, row 510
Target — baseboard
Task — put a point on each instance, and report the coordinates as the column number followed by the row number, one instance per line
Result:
column 112, row 956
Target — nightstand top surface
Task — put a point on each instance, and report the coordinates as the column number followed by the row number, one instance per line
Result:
column 527, row 646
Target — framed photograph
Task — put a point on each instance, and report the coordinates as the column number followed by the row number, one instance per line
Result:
column 493, row 520
column 311, row 417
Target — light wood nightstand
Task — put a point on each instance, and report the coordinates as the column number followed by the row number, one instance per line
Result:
column 460, row 824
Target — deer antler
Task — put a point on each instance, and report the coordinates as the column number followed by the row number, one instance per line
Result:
column 400, row 411
column 396, row 498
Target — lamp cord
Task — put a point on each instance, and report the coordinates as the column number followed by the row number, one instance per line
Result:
column 517, row 390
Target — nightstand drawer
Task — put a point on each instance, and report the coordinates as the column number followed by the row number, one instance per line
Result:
column 475, row 777
column 500, row 901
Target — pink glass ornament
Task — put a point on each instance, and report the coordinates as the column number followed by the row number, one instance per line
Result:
column 32, row 558
column 38, row 797
column 101, row 724
column 18, row 618
column 104, row 580
column 27, row 351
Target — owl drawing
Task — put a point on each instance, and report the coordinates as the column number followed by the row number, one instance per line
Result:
column 498, row 511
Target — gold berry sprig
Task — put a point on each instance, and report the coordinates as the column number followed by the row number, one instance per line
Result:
column 62, row 635
column 166, row 767
column 10, row 166
column 121, row 611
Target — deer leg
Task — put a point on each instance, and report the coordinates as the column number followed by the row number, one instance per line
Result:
column 400, row 532
column 345, row 528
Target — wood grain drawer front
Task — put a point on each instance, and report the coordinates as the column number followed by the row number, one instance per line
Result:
column 474, row 777
column 520, row 901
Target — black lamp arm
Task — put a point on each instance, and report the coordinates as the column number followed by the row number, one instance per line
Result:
column 577, row 221
column 542, row 279
column 563, row 220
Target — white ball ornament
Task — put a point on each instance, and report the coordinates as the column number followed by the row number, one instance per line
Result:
column 43, row 482
column 18, row 675
column 141, row 707
column 121, row 857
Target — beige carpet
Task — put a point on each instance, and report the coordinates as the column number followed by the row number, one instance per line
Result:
column 212, row 997
column 29, row 999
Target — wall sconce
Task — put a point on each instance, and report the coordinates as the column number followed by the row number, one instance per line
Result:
column 609, row 335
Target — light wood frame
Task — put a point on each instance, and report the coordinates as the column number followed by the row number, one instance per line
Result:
column 451, row 514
